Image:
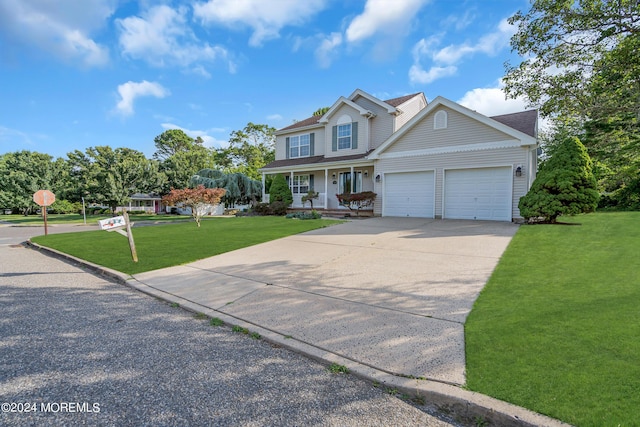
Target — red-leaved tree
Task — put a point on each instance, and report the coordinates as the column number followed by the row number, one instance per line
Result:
column 199, row 199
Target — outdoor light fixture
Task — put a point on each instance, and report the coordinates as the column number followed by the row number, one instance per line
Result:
column 378, row 178
column 366, row 173
column 333, row 176
column 519, row 170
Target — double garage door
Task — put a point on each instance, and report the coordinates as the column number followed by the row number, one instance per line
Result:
column 483, row 194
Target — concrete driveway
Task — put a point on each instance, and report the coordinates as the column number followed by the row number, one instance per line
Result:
column 389, row 293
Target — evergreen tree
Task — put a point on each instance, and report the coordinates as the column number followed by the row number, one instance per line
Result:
column 280, row 191
column 565, row 184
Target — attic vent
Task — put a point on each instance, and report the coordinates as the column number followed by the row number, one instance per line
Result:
column 440, row 120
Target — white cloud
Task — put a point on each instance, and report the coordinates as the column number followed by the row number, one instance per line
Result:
column 129, row 91
column 161, row 36
column 61, row 28
column 444, row 60
column 491, row 101
column 274, row 117
column 488, row 44
column 383, row 16
column 209, row 141
column 266, row 18
column 418, row 75
column 325, row 53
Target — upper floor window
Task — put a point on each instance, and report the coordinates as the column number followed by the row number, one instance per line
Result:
column 440, row 120
column 344, row 136
column 299, row 146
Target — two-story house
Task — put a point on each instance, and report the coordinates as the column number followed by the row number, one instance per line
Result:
column 432, row 160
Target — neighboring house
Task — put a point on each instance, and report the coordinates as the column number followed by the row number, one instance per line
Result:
column 149, row 203
column 432, row 160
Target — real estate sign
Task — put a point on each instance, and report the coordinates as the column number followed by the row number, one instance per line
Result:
column 112, row 223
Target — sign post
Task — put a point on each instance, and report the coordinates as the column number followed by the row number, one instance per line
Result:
column 116, row 224
column 44, row 198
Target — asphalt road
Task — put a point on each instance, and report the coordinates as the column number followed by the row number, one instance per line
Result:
column 76, row 349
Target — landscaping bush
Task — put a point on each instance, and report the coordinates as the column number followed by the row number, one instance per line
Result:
column 565, row 185
column 280, row 191
column 314, row 214
column 65, row 207
column 278, row 208
column 262, row 209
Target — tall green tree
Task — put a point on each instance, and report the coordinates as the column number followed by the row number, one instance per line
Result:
column 249, row 150
column 23, row 173
column 111, row 176
column 583, row 65
column 173, row 141
column 565, row 184
column 181, row 157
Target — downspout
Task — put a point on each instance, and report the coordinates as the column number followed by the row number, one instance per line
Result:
column 264, row 190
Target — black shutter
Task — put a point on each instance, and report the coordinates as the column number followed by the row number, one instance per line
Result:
column 334, row 138
column 354, row 135
column 310, row 182
column 287, row 156
column 312, row 144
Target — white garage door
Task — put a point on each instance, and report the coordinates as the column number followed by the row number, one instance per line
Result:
column 408, row 194
column 478, row 194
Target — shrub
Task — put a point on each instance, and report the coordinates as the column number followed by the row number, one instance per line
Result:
column 280, row 191
column 314, row 214
column 65, row 207
column 278, row 208
column 262, row 209
column 565, row 185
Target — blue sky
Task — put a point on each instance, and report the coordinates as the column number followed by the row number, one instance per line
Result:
column 80, row 73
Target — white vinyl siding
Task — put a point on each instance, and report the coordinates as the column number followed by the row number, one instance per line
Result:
column 455, row 160
column 461, row 130
column 409, row 109
column 480, row 194
column 409, row 194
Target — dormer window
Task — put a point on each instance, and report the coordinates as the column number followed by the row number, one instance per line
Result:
column 440, row 120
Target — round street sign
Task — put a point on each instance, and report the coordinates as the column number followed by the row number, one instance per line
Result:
column 44, row 197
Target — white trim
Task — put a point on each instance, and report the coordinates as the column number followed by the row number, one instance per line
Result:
column 359, row 92
column 338, row 104
column 440, row 101
column 452, row 149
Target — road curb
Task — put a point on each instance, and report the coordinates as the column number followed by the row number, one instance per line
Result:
column 457, row 403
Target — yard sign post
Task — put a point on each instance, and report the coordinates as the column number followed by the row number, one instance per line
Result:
column 116, row 224
column 44, row 198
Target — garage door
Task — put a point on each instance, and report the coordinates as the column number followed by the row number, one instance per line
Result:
column 408, row 194
column 478, row 194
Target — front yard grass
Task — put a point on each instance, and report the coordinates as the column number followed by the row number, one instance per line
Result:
column 557, row 328
column 52, row 219
column 174, row 244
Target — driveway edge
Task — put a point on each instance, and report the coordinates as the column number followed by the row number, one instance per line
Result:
column 457, row 403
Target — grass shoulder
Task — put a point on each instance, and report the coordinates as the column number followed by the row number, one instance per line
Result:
column 557, row 328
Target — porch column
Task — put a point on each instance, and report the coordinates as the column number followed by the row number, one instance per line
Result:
column 326, row 187
column 263, row 187
column 353, row 181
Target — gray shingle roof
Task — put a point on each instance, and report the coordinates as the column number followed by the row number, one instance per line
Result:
column 524, row 121
column 394, row 102
column 313, row 160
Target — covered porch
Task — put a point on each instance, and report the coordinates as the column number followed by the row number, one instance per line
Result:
column 327, row 181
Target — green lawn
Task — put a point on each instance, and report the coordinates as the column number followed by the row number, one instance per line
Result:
column 557, row 328
column 78, row 219
column 174, row 244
